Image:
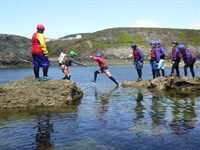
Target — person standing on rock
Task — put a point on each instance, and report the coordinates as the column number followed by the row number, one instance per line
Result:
column 154, row 59
column 138, row 59
column 40, row 53
column 103, row 68
column 175, row 58
column 68, row 60
column 161, row 63
column 189, row 59
column 61, row 58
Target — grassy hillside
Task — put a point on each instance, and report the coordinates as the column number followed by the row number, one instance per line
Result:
column 118, row 40
column 113, row 43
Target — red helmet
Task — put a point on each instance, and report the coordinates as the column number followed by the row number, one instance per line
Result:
column 40, row 27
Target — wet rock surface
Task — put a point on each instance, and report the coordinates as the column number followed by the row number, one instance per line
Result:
column 166, row 83
column 28, row 93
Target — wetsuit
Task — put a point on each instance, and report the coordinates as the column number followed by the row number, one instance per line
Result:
column 161, row 63
column 155, row 58
column 103, row 69
column 189, row 60
column 138, row 61
column 66, row 63
column 175, row 61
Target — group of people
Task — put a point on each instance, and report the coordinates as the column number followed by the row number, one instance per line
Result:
column 65, row 61
column 40, row 59
column 157, row 58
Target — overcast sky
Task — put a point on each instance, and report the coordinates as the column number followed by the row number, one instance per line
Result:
column 64, row 17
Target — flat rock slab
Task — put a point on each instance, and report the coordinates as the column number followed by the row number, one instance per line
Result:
column 28, row 93
column 166, row 83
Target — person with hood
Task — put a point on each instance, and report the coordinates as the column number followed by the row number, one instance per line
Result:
column 189, row 59
column 138, row 59
column 40, row 53
column 68, row 60
column 103, row 68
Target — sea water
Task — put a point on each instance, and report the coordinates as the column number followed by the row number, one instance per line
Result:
column 107, row 118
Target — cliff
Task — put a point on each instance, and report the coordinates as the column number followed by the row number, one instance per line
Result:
column 14, row 51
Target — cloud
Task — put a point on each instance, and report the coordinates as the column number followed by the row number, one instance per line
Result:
column 145, row 23
column 195, row 25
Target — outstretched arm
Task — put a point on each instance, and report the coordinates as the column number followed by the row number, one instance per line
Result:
column 76, row 62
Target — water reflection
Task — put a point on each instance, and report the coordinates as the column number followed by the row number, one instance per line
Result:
column 105, row 99
column 139, row 108
column 139, row 122
column 44, row 132
column 158, row 110
column 184, row 116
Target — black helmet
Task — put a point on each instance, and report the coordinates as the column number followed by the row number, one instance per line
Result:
column 134, row 46
column 175, row 42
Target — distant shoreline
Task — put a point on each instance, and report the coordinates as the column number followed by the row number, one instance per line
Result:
column 110, row 62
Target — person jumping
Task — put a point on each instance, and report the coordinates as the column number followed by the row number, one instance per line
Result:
column 103, row 68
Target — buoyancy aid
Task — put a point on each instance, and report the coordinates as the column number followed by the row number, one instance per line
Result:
column 153, row 54
column 188, row 55
column 136, row 55
column 173, row 51
column 38, row 44
column 36, row 49
column 174, row 54
column 101, row 61
column 192, row 55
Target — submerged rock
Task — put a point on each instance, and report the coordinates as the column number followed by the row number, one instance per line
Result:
column 167, row 83
column 30, row 94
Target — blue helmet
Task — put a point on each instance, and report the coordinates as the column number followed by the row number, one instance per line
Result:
column 181, row 47
column 153, row 43
column 99, row 55
column 157, row 42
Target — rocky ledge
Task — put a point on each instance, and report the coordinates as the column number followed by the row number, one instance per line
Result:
column 30, row 94
column 183, row 83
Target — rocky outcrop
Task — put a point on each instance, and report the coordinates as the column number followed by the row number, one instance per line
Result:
column 166, row 83
column 15, row 51
column 30, row 94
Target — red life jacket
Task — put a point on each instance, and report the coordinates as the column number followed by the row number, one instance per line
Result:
column 153, row 53
column 101, row 61
column 135, row 54
column 192, row 55
column 173, row 52
column 36, row 49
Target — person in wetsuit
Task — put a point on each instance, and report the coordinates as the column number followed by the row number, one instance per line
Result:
column 103, row 68
column 189, row 59
column 161, row 63
column 154, row 59
column 175, row 58
column 138, row 59
column 68, row 62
